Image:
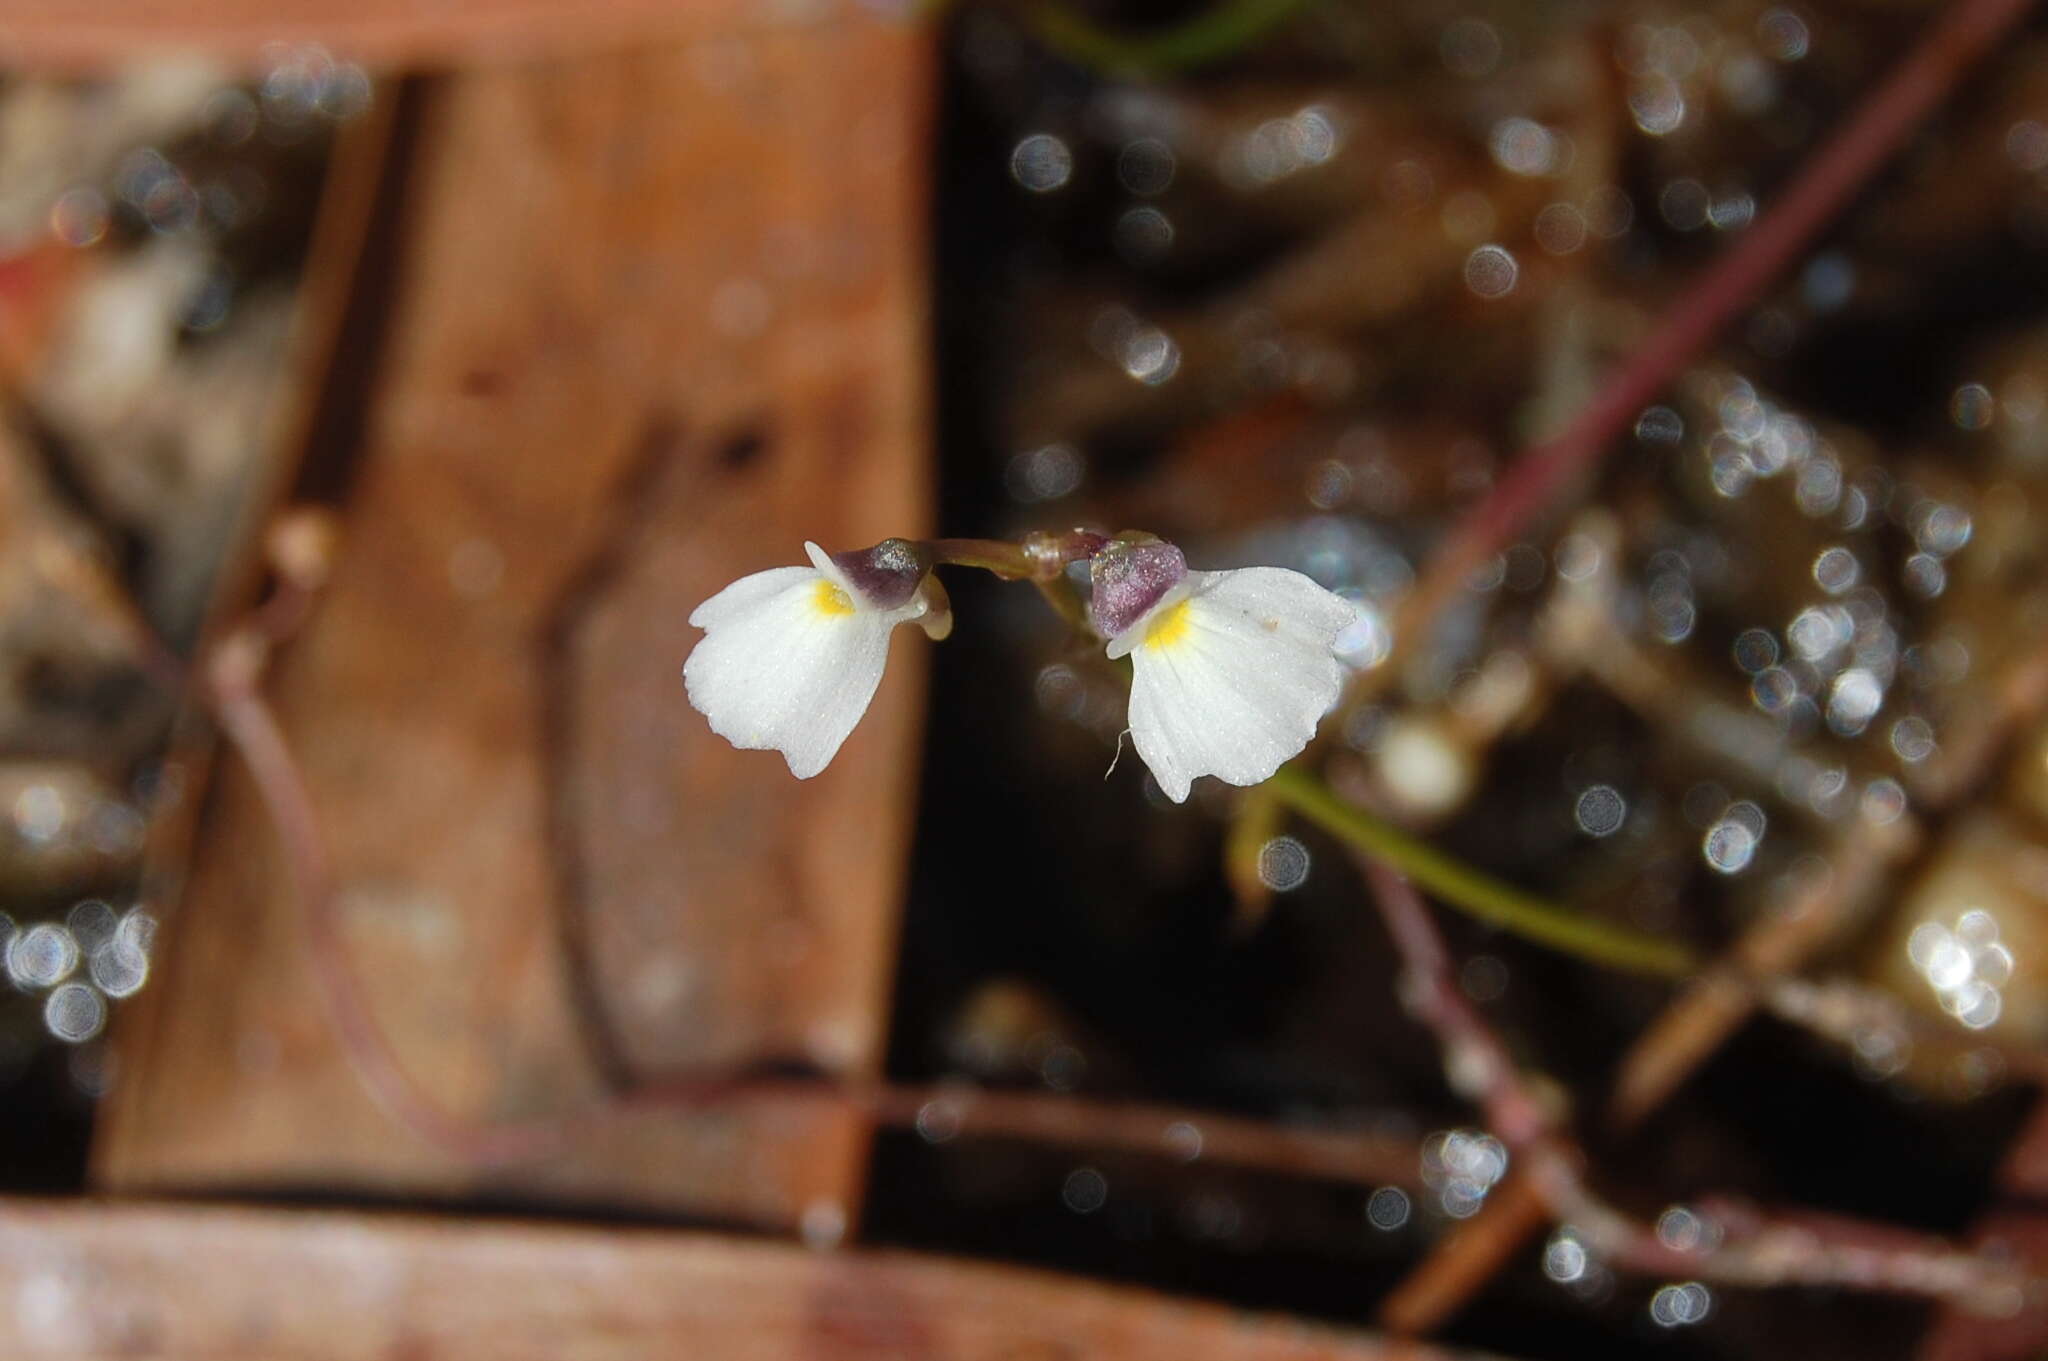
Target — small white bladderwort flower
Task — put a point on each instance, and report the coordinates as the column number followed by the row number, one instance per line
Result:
column 791, row 656
column 1231, row 671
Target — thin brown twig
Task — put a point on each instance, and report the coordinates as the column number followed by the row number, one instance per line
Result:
column 232, row 674
column 940, row 1113
column 1724, row 995
column 1695, row 1024
column 1849, row 1013
column 1699, row 1019
column 1746, row 1247
column 1824, row 183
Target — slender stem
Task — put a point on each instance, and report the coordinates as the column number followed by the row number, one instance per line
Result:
column 1825, row 182
column 253, row 731
column 1748, row 1246
column 1257, row 821
column 990, row 555
column 1212, row 36
column 1042, row 557
column 1478, row 894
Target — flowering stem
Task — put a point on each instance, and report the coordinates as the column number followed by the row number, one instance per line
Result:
column 1042, row 556
column 1478, row 894
column 990, row 555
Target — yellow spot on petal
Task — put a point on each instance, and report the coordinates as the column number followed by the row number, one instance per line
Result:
column 1169, row 627
column 829, row 599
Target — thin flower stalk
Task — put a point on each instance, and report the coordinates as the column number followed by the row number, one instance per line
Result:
column 1474, row 893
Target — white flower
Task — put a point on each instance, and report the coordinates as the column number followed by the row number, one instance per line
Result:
column 1231, row 671
column 791, row 656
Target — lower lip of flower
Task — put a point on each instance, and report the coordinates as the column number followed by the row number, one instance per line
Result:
column 1169, row 628
column 829, row 599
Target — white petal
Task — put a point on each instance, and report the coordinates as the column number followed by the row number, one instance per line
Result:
column 776, row 671
column 1241, row 686
column 747, row 594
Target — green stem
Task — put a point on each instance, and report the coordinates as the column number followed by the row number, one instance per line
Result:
column 1470, row 891
column 990, row 555
column 1221, row 32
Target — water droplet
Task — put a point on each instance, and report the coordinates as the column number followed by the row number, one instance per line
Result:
column 80, row 216
column 118, row 968
column 1836, row 570
column 39, row 814
column 1681, row 1230
column 1658, row 106
column 1470, row 48
column 1283, row 864
column 1560, row 229
column 1491, row 271
column 1366, row 641
column 1609, row 212
column 1143, row 235
column 1884, row 801
column 1387, row 1209
column 1924, row 575
column 1782, row 34
column 1578, row 557
column 1041, row 163
column 1677, row 1306
column 1731, row 212
column 1730, row 844
column 1522, row 146
column 92, row 923
column 938, row 1121
column 1971, row 407
column 1683, row 205
column 1755, row 650
column 1150, row 356
column 1600, row 811
column 1564, row 1257
column 1085, row 1191
column 1853, row 702
column 2026, row 145
column 1044, row 474
column 40, row 956
column 1913, row 739
column 74, row 1013
column 1941, row 529
column 1660, row 425
column 1146, row 166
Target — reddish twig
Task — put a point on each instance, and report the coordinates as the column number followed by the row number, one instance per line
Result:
column 1827, row 180
column 231, row 678
column 1744, row 1246
column 938, row 1113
